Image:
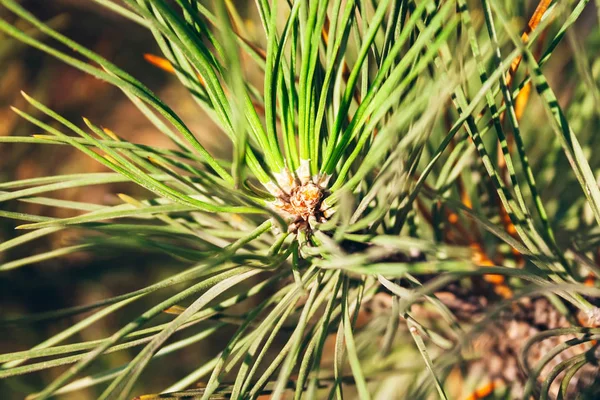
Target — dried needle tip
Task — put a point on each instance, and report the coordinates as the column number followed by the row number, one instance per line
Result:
column 593, row 316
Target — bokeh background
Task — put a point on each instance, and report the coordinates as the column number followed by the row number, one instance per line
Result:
column 83, row 278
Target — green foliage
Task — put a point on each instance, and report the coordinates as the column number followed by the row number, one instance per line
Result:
column 403, row 116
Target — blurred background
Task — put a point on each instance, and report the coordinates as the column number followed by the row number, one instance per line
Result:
column 81, row 278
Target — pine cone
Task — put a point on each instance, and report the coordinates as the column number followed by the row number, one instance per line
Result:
column 503, row 342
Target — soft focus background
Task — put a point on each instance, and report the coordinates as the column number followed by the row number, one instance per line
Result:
column 82, row 278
